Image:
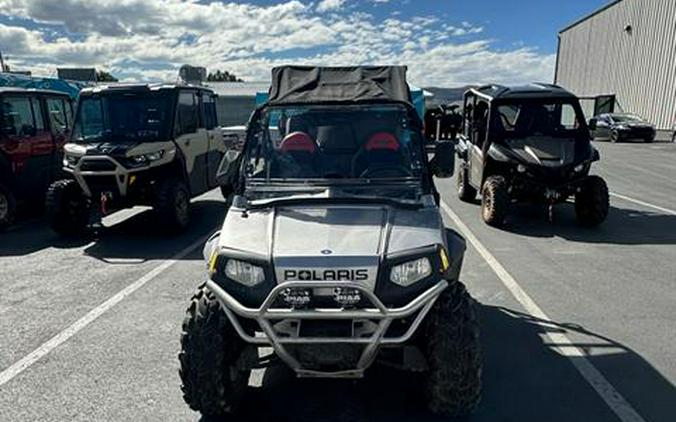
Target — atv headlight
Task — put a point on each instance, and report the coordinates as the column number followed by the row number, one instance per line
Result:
column 154, row 156
column 70, row 160
column 142, row 159
column 244, row 272
column 410, row 272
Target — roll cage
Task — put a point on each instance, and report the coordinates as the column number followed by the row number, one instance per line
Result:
column 481, row 104
column 254, row 127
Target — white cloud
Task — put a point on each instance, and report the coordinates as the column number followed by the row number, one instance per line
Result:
column 149, row 40
column 327, row 5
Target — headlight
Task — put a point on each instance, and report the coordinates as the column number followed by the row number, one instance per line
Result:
column 70, row 160
column 410, row 272
column 154, row 156
column 244, row 272
column 146, row 158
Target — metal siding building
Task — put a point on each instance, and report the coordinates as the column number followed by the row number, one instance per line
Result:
column 627, row 48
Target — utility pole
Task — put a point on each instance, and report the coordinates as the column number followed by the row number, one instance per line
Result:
column 2, row 63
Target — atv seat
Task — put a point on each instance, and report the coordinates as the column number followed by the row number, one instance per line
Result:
column 338, row 146
column 382, row 150
column 299, row 158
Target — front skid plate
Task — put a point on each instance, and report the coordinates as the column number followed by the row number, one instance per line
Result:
column 265, row 314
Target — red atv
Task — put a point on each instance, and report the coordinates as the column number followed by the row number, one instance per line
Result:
column 34, row 125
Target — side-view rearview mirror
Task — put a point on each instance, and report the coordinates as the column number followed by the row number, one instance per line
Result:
column 443, row 163
column 228, row 167
column 592, row 124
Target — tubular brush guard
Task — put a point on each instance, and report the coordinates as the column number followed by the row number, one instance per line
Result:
column 266, row 313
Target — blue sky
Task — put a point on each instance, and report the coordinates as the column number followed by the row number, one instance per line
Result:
column 531, row 22
column 444, row 42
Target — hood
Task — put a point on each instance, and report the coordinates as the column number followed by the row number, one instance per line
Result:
column 100, row 148
column 635, row 125
column 109, row 148
column 544, row 150
column 336, row 242
column 117, row 149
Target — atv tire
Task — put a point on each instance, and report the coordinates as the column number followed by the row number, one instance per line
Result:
column 67, row 208
column 210, row 347
column 592, row 202
column 495, row 201
column 466, row 192
column 451, row 344
column 172, row 205
column 7, row 207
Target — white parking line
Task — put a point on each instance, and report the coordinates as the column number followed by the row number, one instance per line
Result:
column 645, row 204
column 51, row 344
column 564, row 345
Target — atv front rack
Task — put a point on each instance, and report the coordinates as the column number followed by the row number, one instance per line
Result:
column 377, row 311
column 101, row 165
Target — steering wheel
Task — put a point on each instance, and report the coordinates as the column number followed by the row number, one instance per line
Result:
column 385, row 172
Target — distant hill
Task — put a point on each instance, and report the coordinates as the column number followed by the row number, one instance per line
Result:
column 446, row 95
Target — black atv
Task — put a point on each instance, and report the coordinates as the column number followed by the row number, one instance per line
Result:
column 528, row 143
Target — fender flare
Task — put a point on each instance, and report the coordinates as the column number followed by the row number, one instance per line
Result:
column 462, row 149
column 498, row 153
column 456, row 247
column 179, row 162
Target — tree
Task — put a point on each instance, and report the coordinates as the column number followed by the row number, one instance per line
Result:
column 224, row 76
column 103, row 76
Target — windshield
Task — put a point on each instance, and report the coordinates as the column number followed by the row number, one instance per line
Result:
column 538, row 119
column 123, row 117
column 625, row 118
column 322, row 143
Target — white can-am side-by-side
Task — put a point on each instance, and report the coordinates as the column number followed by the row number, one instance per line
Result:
column 333, row 252
column 156, row 145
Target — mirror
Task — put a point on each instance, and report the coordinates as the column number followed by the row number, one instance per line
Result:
column 443, row 163
column 592, row 124
column 227, row 170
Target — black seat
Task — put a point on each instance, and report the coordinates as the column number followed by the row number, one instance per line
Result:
column 338, row 146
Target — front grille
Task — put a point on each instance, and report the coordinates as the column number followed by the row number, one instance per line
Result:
column 98, row 184
column 97, row 165
column 640, row 132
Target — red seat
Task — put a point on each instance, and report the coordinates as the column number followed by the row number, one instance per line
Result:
column 298, row 141
column 382, row 141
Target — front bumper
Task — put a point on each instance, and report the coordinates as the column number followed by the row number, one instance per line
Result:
column 636, row 133
column 101, row 168
column 267, row 314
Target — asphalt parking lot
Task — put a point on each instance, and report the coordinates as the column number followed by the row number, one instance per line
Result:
column 577, row 324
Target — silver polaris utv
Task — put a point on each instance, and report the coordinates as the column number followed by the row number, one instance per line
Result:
column 333, row 252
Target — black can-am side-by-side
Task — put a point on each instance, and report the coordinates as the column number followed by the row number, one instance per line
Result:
column 528, row 143
column 333, row 252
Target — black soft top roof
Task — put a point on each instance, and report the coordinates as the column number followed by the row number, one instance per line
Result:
column 18, row 90
column 523, row 92
column 339, row 85
column 138, row 88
